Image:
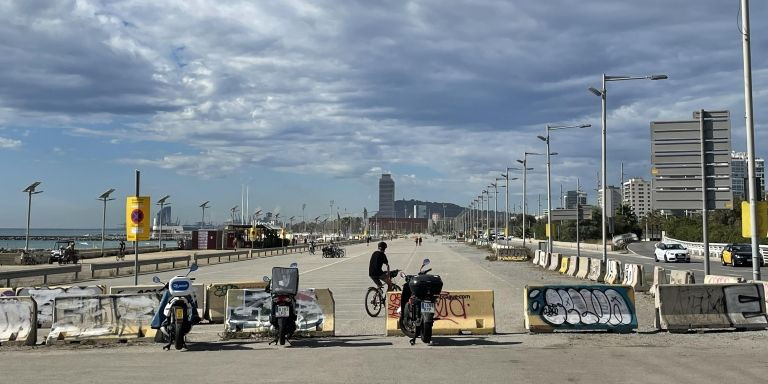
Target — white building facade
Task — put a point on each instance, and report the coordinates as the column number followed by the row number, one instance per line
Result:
column 636, row 193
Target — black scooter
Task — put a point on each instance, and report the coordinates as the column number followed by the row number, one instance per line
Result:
column 417, row 303
column 283, row 288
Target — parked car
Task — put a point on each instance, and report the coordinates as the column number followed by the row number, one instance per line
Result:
column 736, row 254
column 668, row 252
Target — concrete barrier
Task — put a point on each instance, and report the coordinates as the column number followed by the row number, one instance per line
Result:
column 18, row 320
column 551, row 308
column 536, row 257
column 678, row 277
column 216, row 298
column 456, row 312
column 765, row 288
column 248, row 310
column 613, row 272
column 634, row 276
column 596, row 270
column 564, row 260
column 544, row 260
column 7, row 292
column 696, row 306
column 102, row 317
column 720, row 279
column 659, row 277
column 44, row 297
column 582, row 270
column 555, row 261
column 573, row 266
column 157, row 290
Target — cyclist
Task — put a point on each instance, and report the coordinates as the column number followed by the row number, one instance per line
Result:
column 375, row 272
column 312, row 247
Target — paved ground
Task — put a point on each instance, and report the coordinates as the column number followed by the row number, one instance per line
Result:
column 513, row 355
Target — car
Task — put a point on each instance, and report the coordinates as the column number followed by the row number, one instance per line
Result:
column 736, row 254
column 668, row 252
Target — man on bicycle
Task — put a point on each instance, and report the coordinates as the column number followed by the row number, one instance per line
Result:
column 375, row 272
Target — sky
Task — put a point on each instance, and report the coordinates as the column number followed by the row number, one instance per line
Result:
column 310, row 101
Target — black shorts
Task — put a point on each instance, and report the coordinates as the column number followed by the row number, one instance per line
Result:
column 378, row 279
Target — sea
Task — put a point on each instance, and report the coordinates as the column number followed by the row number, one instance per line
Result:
column 85, row 238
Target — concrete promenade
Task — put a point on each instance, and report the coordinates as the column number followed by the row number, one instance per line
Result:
column 360, row 354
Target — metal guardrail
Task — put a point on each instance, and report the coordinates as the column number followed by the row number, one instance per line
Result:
column 714, row 248
column 45, row 272
column 130, row 264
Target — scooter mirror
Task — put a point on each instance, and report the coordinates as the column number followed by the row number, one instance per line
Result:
column 156, row 279
column 402, row 275
column 425, row 263
column 266, row 279
column 294, row 265
column 193, row 267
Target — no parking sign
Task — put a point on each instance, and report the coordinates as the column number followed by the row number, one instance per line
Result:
column 137, row 218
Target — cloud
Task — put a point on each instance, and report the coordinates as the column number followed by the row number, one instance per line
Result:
column 6, row 143
column 350, row 89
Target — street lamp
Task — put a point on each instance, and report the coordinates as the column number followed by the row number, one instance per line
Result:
column 602, row 94
column 30, row 191
column 496, row 210
column 104, row 197
column 546, row 139
column 506, row 222
column 161, row 203
column 204, row 206
column 524, row 162
column 487, row 192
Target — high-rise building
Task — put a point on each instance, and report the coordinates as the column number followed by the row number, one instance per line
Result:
column 740, row 174
column 419, row 211
column 570, row 199
column 386, row 196
column 163, row 216
column 636, row 193
column 614, row 199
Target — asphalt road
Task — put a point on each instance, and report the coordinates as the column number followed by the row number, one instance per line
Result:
column 360, row 354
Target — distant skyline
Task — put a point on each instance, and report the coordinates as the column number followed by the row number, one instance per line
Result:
column 311, row 101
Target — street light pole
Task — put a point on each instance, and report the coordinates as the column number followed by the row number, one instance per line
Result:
column 603, row 168
column 204, row 206
column 30, row 191
column 546, row 139
column 524, row 162
column 750, row 127
column 104, row 197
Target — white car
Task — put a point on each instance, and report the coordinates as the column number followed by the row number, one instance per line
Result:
column 668, row 252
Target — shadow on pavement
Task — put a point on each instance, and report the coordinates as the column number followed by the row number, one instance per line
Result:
column 324, row 343
column 218, row 346
column 442, row 341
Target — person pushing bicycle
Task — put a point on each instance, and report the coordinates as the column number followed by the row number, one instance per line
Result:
column 375, row 271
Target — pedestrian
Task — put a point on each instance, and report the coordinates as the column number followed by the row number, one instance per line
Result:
column 121, row 251
column 419, row 240
column 368, row 241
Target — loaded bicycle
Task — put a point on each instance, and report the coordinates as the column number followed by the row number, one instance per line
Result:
column 374, row 297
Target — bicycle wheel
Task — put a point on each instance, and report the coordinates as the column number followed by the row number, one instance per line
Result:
column 373, row 302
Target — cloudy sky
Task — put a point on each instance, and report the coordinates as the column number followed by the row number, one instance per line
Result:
column 310, row 101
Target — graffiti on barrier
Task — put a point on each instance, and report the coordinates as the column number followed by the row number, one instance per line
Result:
column 250, row 309
column 700, row 305
column 45, row 296
column 16, row 319
column 101, row 315
column 449, row 307
column 582, row 307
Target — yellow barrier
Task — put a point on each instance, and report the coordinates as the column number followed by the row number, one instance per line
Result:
column 19, row 320
column 564, row 265
column 216, row 298
column 456, row 312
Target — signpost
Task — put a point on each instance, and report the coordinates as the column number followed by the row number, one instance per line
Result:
column 137, row 224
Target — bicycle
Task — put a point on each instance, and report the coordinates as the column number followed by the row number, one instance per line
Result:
column 375, row 299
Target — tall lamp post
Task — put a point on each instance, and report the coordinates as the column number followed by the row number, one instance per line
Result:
column 30, row 191
column 506, row 221
column 487, row 201
column 204, row 206
column 524, row 162
column 496, row 210
column 162, row 204
column 546, row 139
column 104, row 197
column 602, row 94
